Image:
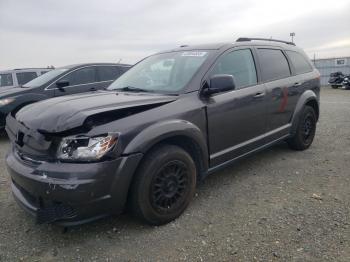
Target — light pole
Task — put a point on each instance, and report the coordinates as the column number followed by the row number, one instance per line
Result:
column 292, row 36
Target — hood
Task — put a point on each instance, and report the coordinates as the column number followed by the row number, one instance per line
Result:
column 10, row 91
column 68, row 112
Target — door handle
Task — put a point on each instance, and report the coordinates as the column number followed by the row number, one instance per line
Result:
column 92, row 89
column 297, row 84
column 258, row 95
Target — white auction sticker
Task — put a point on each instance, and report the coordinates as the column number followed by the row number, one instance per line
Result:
column 194, row 53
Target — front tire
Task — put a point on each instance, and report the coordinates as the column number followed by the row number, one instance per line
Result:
column 306, row 130
column 164, row 185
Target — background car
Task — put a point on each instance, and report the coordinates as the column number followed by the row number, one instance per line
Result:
column 59, row 82
column 17, row 77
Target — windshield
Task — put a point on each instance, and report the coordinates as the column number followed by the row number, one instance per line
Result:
column 43, row 79
column 162, row 73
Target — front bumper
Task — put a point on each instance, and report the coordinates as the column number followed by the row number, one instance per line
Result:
column 71, row 193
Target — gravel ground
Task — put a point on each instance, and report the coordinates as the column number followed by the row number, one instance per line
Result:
column 278, row 205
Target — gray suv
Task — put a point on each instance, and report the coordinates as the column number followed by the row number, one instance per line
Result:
column 17, row 77
column 165, row 124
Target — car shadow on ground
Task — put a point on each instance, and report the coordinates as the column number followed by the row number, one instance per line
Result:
column 3, row 136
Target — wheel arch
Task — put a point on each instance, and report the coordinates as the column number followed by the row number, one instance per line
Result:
column 176, row 132
column 308, row 98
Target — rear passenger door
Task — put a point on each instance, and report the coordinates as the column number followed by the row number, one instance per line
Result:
column 107, row 74
column 80, row 80
column 281, row 91
column 236, row 119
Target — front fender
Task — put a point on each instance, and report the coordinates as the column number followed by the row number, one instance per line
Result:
column 303, row 100
column 167, row 129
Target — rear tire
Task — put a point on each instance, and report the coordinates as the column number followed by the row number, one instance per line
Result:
column 334, row 87
column 164, row 185
column 306, row 130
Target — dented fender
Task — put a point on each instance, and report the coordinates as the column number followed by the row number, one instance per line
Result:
column 164, row 130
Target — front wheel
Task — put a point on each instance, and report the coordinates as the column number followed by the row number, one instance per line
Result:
column 164, row 185
column 306, row 130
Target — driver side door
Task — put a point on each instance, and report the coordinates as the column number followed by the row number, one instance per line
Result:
column 236, row 119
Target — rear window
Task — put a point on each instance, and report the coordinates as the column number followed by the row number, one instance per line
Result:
column 299, row 62
column 6, row 80
column 273, row 63
column 25, row 77
column 108, row 73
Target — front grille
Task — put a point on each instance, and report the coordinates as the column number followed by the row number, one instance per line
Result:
column 29, row 160
column 55, row 212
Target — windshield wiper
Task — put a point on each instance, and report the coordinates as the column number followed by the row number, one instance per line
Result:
column 132, row 89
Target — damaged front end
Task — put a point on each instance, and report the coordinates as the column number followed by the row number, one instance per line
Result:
column 61, row 169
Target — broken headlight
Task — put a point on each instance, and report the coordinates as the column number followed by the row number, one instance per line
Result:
column 85, row 148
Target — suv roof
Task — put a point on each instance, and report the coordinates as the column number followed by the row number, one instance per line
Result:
column 242, row 41
column 17, row 70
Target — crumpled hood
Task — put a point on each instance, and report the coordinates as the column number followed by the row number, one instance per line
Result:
column 67, row 112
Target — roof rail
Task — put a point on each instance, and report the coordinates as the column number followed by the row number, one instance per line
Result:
column 244, row 39
column 34, row 68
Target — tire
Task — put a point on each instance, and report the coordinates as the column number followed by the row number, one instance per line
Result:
column 164, row 185
column 334, row 87
column 306, row 130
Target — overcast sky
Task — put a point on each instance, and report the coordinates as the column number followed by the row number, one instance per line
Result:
column 35, row 33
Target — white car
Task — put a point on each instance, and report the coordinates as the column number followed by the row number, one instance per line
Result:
column 18, row 77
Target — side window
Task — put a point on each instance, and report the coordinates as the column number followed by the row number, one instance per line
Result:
column 301, row 65
column 273, row 63
column 81, row 76
column 25, row 77
column 108, row 73
column 240, row 64
column 6, row 80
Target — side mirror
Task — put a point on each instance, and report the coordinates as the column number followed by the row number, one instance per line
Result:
column 61, row 84
column 220, row 83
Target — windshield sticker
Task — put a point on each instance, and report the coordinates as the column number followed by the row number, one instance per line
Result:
column 194, row 53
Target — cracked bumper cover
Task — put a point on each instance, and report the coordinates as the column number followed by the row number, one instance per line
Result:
column 88, row 190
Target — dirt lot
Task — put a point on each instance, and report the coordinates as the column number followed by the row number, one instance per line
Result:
column 276, row 205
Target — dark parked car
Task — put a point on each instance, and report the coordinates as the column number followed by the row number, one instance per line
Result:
column 169, row 121
column 59, row 82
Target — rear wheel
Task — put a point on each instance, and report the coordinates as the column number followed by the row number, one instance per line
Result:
column 306, row 129
column 164, row 185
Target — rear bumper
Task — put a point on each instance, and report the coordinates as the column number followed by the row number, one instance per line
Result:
column 71, row 193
